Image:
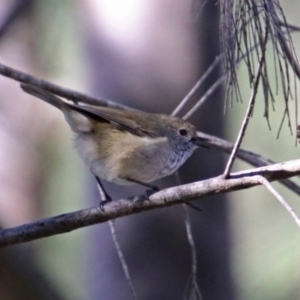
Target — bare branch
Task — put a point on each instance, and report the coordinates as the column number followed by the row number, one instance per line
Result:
column 213, row 87
column 247, row 117
column 281, row 200
column 122, row 258
column 55, row 89
column 197, row 7
column 118, row 247
column 251, row 158
column 192, row 290
column 168, row 197
column 289, row 26
column 217, row 60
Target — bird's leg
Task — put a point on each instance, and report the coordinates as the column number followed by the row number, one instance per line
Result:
column 153, row 189
column 107, row 197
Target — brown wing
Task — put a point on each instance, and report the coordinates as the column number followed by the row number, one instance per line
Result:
column 131, row 121
column 127, row 120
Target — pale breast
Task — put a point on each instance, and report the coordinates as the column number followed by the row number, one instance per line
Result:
column 86, row 147
column 124, row 155
column 151, row 159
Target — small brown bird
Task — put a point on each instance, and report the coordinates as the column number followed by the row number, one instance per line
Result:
column 126, row 146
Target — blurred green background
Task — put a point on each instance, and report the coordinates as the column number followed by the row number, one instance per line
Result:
column 148, row 55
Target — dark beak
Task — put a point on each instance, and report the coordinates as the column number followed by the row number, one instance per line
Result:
column 200, row 142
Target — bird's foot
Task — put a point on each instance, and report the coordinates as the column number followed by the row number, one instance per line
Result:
column 146, row 195
column 102, row 203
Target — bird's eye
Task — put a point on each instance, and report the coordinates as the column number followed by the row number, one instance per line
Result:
column 183, row 132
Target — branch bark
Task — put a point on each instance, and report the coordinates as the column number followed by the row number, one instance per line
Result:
column 251, row 158
column 168, row 197
column 55, row 89
column 281, row 200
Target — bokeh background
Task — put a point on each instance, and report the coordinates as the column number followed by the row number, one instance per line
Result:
column 145, row 54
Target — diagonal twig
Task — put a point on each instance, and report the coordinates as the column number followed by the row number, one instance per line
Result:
column 251, row 158
column 192, row 287
column 210, row 69
column 192, row 290
column 118, row 247
column 247, row 117
column 55, row 89
column 122, row 258
column 281, row 200
column 212, row 88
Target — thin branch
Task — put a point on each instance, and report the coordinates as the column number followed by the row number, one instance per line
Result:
column 247, row 117
column 289, row 26
column 213, row 87
column 217, row 60
column 168, row 197
column 118, row 247
column 281, row 200
column 121, row 258
column 251, row 158
column 55, row 89
column 198, row 7
column 194, row 290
